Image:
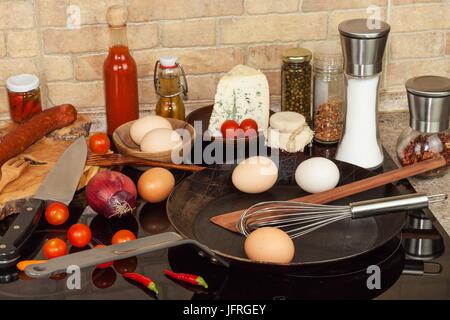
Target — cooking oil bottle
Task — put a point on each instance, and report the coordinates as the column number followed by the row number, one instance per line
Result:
column 169, row 87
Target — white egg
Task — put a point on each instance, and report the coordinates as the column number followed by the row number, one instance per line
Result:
column 161, row 140
column 317, row 175
column 144, row 125
column 255, row 175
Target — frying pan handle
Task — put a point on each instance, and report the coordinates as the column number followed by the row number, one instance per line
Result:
column 420, row 268
column 376, row 207
column 119, row 251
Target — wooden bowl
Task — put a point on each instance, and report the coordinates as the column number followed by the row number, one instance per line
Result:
column 126, row 146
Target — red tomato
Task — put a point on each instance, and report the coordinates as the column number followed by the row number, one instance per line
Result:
column 249, row 126
column 55, row 248
column 79, row 235
column 106, row 264
column 56, row 213
column 99, row 143
column 229, row 128
column 123, row 236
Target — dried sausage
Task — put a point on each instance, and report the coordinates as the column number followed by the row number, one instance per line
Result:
column 27, row 133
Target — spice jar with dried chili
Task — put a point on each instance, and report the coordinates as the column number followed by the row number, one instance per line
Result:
column 296, row 82
column 329, row 93
column 24, row 96
column 428, row 135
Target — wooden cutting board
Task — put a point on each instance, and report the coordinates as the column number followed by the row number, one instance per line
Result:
column 45, row 153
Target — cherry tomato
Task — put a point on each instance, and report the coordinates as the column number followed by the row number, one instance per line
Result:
column 229, row 128
column 123, row 236
column 249, row 126
column 106, row 264
column 56, row 213
column 99, row 143
column 79, row 235
column 55, row 248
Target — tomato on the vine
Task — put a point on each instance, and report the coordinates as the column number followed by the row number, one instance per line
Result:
column 56, row 213
column 99, row 143
column 55, row 248
column 229, row 128
column 123, row 236
column 79, row 235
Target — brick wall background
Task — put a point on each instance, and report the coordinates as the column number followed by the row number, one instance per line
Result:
column 209, row 37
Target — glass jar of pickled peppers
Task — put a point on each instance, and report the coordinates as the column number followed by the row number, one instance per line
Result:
column 329, row 95
column 296, row 82
column 24, row 96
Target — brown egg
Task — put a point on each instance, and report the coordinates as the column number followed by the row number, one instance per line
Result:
column 156, row 184
column 269, row 244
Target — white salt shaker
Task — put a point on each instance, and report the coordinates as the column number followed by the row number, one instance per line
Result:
column 363, row 43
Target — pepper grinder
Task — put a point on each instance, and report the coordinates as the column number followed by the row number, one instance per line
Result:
column 428, row 135
column 363, row 43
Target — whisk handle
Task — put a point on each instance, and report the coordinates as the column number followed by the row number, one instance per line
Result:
column 369, row 208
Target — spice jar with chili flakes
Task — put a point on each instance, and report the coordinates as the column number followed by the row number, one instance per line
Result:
column 296, row 82
column 428, row 135
column 24, row 96
column 329, row 93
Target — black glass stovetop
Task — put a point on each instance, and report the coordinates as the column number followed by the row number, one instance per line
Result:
column 413, row 265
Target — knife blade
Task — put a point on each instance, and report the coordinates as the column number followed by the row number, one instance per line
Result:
column 61, row 182
column 59, row 185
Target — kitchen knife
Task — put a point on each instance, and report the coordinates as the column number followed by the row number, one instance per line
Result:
column 59, row 185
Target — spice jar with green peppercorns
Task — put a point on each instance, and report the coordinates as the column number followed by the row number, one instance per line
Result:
column 296, row 82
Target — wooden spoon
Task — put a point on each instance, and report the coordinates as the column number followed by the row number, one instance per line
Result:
column 115, row 159
column 229, row 220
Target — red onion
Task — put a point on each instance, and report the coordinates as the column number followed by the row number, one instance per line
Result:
column 111, row 194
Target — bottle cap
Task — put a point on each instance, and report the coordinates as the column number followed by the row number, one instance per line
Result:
column 429, row 103
column 297, row 55
column 329, row 58
column 117, row 16
column 22, row 83
column 168, row 61
column 363, row 43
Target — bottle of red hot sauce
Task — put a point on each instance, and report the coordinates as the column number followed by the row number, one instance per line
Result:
column 119, row 73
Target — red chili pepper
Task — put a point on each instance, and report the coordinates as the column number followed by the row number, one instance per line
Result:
column 142, row 280
column 186, row 277
column 28, row 107
column 36, row 109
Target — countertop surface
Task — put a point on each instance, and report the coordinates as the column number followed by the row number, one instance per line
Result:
column 391, row 125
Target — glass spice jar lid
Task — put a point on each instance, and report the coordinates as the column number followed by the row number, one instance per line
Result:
column 329, row 59
column 297, row 55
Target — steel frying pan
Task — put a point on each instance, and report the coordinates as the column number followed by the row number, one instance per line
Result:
column 210, row 192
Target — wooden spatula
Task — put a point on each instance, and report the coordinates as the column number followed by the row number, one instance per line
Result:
column 229, row 220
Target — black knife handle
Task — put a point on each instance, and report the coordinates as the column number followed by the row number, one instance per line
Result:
column 20, row 230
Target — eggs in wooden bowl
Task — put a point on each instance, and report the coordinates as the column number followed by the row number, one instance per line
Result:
column 154, row 138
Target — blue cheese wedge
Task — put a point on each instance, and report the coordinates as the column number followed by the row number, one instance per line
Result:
column 242, row 93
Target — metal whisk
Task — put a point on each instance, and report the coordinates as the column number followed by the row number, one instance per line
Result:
column 298, row 218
